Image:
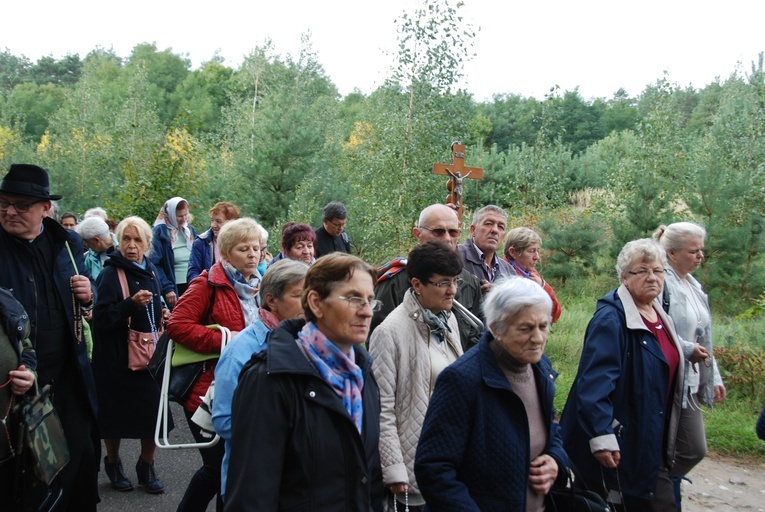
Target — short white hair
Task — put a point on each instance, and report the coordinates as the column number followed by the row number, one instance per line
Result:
column 509, row 297
column 642, row 250
column 93, row 227
column 95, row 212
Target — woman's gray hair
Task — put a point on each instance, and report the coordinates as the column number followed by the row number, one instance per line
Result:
column 520, row 239
column 509, row 297
column 140, row 225
column 95, row 212
column 642, row 250
column 676, row 235
column 280, row 276
column 93, row 227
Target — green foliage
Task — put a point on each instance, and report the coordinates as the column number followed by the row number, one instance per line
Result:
column 730, row 430
column 164, row 71
column 743, row 370
column 38, row 104
column 573, row 242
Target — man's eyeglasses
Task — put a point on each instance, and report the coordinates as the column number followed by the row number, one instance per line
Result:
column 447, row 282
column 441, row 232
column 19, row 207
column 658, row 272
column 337, row 225
column 359, row 302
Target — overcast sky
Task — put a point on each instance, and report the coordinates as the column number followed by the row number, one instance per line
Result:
column 523, row 47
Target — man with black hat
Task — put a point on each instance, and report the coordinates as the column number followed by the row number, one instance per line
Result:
column 38, row 258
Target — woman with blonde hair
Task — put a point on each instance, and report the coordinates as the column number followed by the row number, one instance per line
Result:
column 686, row 302
column 127, row 399
column 227, row 295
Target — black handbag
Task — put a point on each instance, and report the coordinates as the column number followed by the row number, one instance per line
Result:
column 572, row 499
column 181, row 377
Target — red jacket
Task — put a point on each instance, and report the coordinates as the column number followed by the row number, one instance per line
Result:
column 192, row 313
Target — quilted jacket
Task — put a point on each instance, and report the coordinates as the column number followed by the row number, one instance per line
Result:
column 474, row 450
column 193, row 312
column 401, row 364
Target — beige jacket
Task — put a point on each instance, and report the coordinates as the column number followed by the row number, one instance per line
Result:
column 401, row 365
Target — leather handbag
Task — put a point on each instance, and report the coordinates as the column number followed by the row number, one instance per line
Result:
column 182, row 376
column 141, row 345
column 573, row 499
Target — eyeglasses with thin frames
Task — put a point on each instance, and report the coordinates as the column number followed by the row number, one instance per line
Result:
column 358, row 303
column 337, row 226
column 441, row 232
column 447, row 282
column 658, row 272
column 19, row 207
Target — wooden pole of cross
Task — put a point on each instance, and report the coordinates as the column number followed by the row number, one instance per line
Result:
column 457, row 172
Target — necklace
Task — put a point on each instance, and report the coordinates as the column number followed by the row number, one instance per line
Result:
column 150, row 314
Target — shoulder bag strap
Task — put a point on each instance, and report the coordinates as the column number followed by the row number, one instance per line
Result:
column 124, row 285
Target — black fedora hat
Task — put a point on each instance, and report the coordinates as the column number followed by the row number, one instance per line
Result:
column 27, row 180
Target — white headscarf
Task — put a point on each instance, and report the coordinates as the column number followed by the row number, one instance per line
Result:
column 172, row 222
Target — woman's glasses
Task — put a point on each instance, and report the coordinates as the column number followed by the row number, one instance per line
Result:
column 359, row 302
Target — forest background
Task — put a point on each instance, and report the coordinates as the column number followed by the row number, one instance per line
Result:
column 274, row 137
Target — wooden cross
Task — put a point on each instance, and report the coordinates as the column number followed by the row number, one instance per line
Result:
column 457, row 172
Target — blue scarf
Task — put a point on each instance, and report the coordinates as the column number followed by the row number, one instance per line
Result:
column 337, row 369
column 247, row 291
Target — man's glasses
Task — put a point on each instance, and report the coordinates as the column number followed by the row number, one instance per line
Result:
column 337, row 225
column 19, row 207
column 359, row 302
column 441, row 232
column 446, row 282
column 658, row 272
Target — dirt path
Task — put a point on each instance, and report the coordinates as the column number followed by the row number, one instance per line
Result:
column 721, row 484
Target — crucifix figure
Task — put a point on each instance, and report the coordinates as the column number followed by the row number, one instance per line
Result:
column 457, row 173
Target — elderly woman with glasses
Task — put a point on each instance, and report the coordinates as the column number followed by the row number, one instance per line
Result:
column 410, row 348
column 306, row 414
column 621, row 419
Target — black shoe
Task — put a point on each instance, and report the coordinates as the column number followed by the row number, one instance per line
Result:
column 148, row 477
column 117, row 476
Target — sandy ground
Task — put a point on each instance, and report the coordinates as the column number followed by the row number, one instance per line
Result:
column 720, row 484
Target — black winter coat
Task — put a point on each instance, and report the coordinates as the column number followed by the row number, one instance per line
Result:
column 293, row 444
column 127, row 399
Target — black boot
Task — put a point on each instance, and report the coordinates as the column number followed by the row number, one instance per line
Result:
column 148, row 477
column 117, row 476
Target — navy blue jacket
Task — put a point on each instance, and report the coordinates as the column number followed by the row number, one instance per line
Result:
column 201, row 255
column 761, row 425
column 473, row 453
column 619, row 399
column 163, row 257
column 18, row 278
